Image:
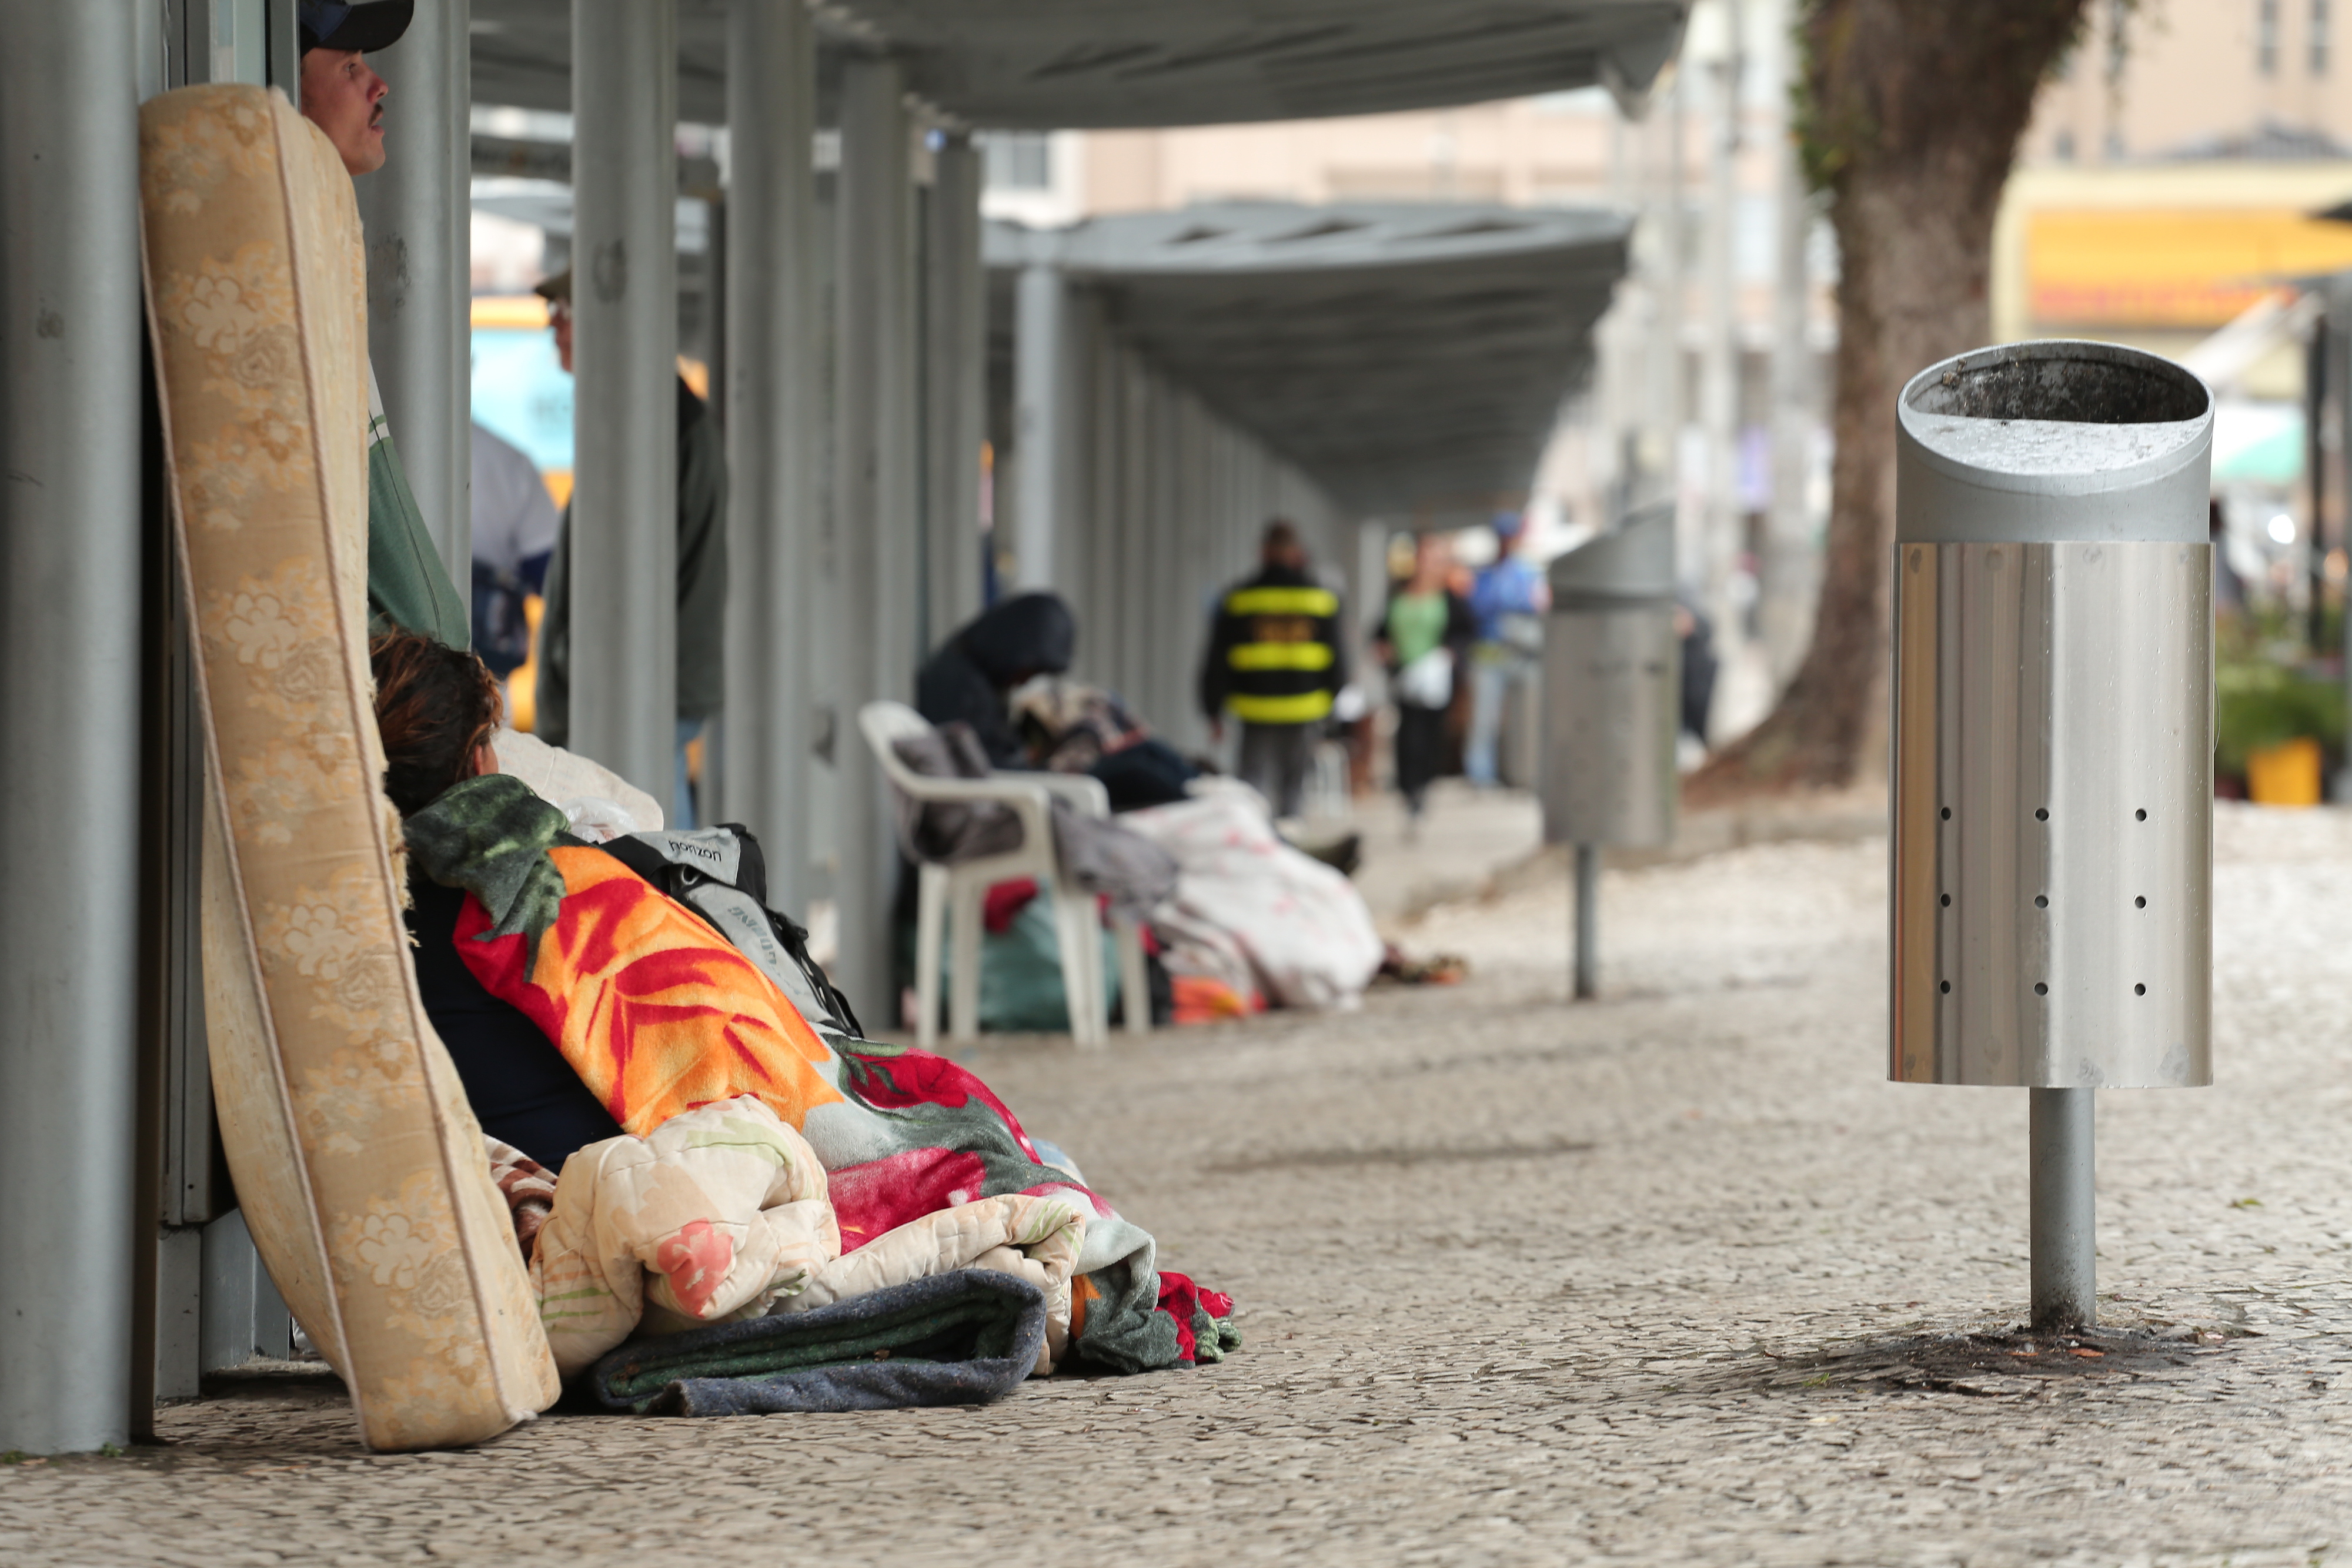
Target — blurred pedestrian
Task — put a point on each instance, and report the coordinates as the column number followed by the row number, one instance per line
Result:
column 1509, row 602
column 702, row 578
column 1695, row 632
column 1274, row 662
column 515, row 525
column 1424, row 635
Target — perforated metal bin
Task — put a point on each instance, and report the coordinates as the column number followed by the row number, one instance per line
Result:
column 1612, row 688
column 2053, row 694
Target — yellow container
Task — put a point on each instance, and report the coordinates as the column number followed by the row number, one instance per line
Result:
column 2285, row 775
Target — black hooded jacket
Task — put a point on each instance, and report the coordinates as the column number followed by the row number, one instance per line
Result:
column 969, row 677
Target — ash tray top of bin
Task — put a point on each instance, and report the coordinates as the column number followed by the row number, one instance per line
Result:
column 2058, row 408
column 1633, row 562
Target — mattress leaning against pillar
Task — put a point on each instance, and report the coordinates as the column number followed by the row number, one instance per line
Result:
column 358, row 1163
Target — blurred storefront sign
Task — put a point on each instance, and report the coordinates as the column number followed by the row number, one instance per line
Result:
column 2171, row 267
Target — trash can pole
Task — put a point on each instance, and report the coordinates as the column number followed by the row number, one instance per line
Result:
column 1588, row 922
column 2062, row 1206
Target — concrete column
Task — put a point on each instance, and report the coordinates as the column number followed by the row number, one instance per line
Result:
column 1135, row 649
column 70, row 321
column 623, row 541
column 773, row 437
column 1040, row 419
column 417, row 216
column 955, row 386
column 1196, row 534
column 877, row 452
column 1785, row 612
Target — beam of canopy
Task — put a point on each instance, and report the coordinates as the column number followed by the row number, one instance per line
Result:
column 1411, row 357
column 1079, row 63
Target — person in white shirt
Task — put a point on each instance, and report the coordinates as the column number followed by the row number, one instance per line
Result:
column 514, row 533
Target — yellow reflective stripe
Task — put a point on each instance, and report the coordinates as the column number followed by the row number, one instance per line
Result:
column 1304, row 708
column 1282, row 601
column 1280, row 656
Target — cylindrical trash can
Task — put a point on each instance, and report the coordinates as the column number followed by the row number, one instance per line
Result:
column 1612, row 695
column 1611, row 685
column 2052, row 693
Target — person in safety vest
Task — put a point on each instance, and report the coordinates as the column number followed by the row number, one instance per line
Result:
column 1275, row 662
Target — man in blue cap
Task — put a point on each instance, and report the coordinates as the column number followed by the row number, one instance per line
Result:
column 408, row 586
column 1508, row 599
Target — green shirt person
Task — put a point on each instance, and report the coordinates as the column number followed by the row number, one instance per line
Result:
column 409, row 585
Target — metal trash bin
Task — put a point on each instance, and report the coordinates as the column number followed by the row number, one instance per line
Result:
column 2053, row 694
column 1611, row 692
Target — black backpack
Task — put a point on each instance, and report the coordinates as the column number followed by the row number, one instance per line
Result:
column 721, row 874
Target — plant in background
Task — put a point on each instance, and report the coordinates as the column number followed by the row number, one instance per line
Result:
column 2258, row 704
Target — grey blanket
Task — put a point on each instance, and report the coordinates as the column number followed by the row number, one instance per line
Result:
column 1098, row 856
column 960, row 1338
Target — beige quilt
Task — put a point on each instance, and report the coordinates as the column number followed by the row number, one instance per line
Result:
column 721, row 1213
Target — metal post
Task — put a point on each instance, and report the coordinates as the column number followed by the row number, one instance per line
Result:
column 2338, row 324
column 1786, row 617
column 1040, row 368
column 69, row 717
column 774, row 435
column 2062, row 1204
column 955, row 385
column 1666, row 369
column 2315, row 468
column 1719, row 360
column 873, row 501
column 623, row 542
column 416, row 214
column 1588, row 922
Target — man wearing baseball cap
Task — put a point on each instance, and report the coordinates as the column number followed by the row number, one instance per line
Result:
column 408, row 586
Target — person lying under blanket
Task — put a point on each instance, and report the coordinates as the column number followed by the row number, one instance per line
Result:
column 581, row 1006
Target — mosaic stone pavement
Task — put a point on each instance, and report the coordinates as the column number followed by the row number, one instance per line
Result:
column 1634, row 1280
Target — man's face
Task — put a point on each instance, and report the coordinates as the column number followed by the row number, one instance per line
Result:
column 344, row 98
column 559, row 322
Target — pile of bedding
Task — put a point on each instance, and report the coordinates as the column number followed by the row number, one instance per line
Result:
column 767, row 1165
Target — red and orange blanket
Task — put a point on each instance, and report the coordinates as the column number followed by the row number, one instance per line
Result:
column 658, row 1014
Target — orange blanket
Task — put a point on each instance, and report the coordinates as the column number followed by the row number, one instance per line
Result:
column 653, row 1009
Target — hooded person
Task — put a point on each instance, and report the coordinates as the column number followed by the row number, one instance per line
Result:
column 971, row 677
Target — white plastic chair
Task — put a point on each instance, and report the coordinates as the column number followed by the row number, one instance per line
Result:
column 961, row 888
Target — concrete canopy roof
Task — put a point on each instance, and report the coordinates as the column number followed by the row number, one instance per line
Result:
column 1049, row 63
column 1411, row 357
column 1079, row 63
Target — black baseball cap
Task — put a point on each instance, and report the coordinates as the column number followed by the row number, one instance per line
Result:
column 338, row 25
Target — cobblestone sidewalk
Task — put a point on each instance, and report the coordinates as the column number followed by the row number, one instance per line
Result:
column 1521, row 1282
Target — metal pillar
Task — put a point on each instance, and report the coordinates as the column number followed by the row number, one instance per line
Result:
column 877, row 452
column 1040, row 372
column 1135, row 649
column 1719, row 375
column 623, row 543
column 955, row 386
column 69, row 717
column 773, row 436
column 2062, row 1206
column 1787, row 609
column 1588, row 922
column 416, row 214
